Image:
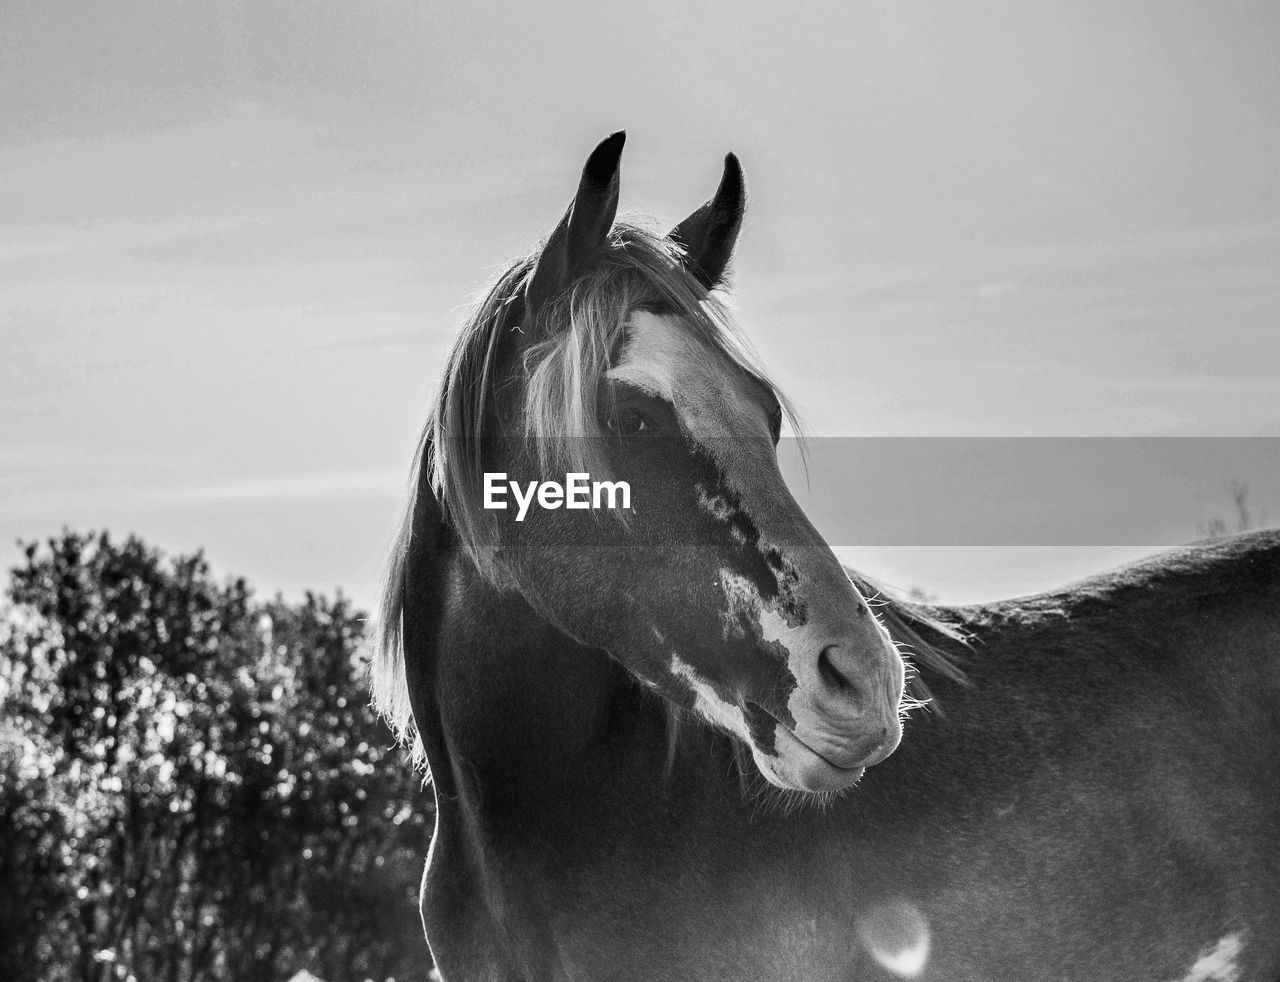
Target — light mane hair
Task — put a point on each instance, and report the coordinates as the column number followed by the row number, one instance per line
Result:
column 568, row 346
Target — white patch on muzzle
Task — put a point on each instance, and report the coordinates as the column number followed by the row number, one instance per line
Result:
column 708, row 704
column 744, row 600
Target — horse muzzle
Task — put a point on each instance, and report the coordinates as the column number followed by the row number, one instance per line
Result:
column 823, row 761
column 841, row 718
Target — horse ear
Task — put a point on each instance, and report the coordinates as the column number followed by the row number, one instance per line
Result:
column 709, row 234
column 576, row 241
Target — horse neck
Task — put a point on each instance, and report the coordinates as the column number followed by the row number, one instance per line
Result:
column 525, row 712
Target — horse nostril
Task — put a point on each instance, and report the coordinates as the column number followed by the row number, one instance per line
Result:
column 831, row 676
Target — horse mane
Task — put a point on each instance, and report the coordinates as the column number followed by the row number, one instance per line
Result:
column 388, row 683
column 567, row 347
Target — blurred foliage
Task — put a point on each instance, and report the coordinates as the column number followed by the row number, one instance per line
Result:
column 192, row 784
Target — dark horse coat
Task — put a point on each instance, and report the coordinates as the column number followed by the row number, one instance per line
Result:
column 635, row 742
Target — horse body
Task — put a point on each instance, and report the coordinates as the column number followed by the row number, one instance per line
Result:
column 1100, row 801
column 667, row 746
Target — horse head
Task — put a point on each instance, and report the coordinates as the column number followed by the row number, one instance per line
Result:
column 607, row 354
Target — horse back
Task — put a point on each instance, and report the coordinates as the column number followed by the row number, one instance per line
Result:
column 1107, row 785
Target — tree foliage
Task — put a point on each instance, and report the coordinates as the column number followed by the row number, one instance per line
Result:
column 192, row 785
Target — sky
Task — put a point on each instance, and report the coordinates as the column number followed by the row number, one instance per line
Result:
column 236, row 240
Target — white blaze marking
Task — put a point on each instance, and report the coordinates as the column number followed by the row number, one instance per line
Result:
column 897, row 936
column 665, row 359
column 1218, row 964
column 653, row 356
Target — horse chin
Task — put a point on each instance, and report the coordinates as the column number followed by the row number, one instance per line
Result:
column 795, row 767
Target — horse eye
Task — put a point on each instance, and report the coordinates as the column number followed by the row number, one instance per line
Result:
column 627, row 422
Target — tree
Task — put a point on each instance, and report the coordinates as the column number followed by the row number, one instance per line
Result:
column 192, row 785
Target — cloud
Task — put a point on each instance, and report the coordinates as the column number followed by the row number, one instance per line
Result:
column 78, row 495
column 995, row 288
column 319, row 486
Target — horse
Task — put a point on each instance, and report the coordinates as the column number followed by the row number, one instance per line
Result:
column 666, row 741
